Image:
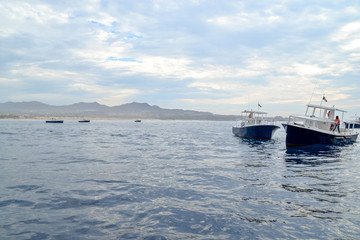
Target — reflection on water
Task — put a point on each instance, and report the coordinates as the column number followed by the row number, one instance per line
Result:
column 314, row 150
column 314, row 176
column 313, row 155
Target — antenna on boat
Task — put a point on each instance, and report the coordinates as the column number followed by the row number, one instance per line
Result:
column 312, row 95
column 248, row 102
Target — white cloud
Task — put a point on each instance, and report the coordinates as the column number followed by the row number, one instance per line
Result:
column 182, row 68
column 109, row 95
column 162, row 67
column 307, row 69
column 348, row 36
column 44, row 97
column 35, row 72
column 349, row 30
column 352, row 45
column 103, row 19
column 8, row 80
column 41, row 13
column 244, row 20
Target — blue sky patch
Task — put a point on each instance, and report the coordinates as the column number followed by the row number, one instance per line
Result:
column 112, row 58
column 131, row 36
column 97, row 23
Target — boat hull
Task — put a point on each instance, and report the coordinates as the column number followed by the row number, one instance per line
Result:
column 84, row 121
column 263, row 132
column 54, row 121
column 300, row 136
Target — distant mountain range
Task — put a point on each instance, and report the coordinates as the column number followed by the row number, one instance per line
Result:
column 95, row 110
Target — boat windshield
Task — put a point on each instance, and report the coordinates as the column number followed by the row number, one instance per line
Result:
column 323, row 112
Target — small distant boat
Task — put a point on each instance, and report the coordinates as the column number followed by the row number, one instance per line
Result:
column 255, row 126
column 137, row 120
column 84, row 121
column 353, row 123
column 53, row 120
column 316, row 127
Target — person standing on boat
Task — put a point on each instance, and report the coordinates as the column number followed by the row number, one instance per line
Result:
column 337, row 124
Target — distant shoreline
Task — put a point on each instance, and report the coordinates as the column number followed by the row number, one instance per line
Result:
column 41, row 118
column 95, row 111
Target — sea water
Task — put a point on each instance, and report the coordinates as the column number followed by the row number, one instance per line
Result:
column 171, row 180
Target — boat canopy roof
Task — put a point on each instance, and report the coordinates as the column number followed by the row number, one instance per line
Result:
column 256, row 112
column 325, row 107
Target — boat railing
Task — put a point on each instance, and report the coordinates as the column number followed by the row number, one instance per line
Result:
column 254, row 121
column 247, row 122
column 350, row 125
column 315, row 123
column 296, row 120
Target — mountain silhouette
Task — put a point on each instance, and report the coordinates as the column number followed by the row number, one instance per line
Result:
column 132, row 110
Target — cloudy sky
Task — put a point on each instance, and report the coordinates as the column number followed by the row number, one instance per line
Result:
column 206, row 55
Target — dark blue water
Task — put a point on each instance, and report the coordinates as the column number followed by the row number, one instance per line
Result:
column 171, row 180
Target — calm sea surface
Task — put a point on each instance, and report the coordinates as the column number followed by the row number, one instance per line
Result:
column 171, row 180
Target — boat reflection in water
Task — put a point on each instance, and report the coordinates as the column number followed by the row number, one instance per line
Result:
column 315, row 174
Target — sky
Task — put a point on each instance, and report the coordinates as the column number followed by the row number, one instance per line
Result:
column 205, row 55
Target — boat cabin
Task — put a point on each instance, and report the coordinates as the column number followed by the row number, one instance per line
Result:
column 251, row 117
column 319, row 117
column 323, row 112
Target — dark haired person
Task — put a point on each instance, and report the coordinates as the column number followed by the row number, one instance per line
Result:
column 337, row 124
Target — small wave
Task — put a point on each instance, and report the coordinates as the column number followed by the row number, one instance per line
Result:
column 32, row 235
column 66, row 203
column 117, row 135
column 7, row 133
column 155, row 237
column 24, row 188
column 35, row 221
column 107, row 181
column 19, row 203
column 255, row 219
column 297, row 210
